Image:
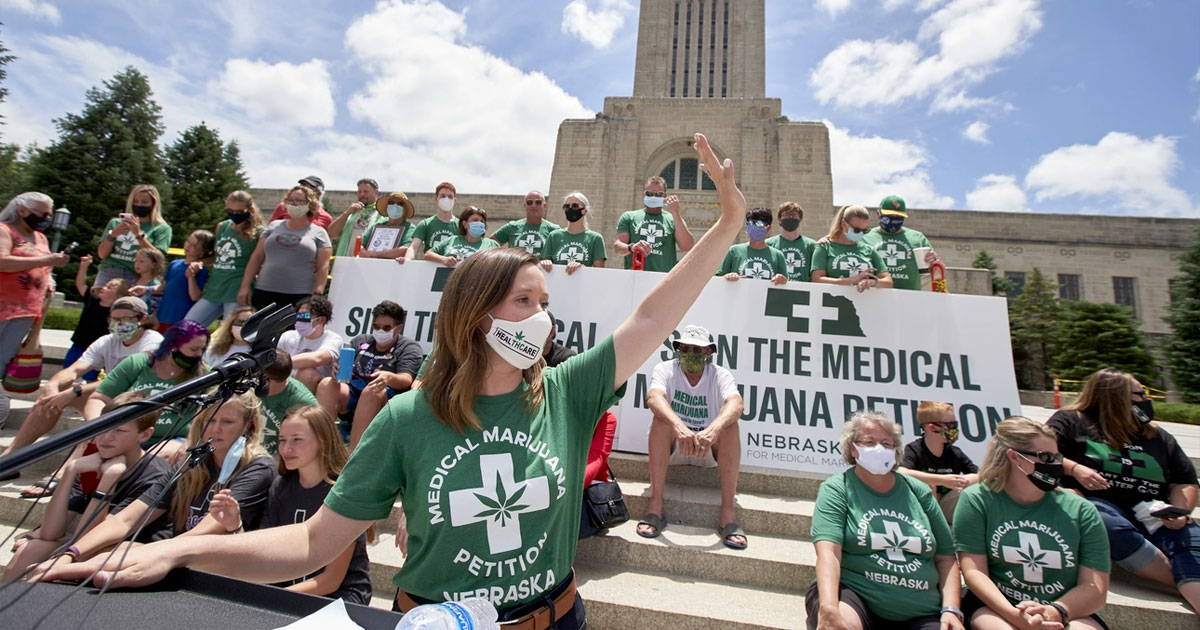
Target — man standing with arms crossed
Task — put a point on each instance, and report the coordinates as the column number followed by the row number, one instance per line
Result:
column 651, row 232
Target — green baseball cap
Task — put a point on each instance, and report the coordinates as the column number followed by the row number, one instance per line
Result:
column 893, row 206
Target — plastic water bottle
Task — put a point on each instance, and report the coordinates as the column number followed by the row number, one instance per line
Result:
column 468, row 614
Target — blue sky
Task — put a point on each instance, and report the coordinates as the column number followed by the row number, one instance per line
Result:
column 1020, row 105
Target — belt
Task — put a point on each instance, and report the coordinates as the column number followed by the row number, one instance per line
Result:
column 541, row 618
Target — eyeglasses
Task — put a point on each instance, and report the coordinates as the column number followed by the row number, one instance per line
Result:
column 1046, row 457
column 572, row 206
column 125, row 320
column 1138, row 394
column 383, row 327
column 534, row 202
column 656, row 193
column 873, row 444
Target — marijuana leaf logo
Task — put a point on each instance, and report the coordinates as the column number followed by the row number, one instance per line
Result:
column 503, row 507
column 520, row 336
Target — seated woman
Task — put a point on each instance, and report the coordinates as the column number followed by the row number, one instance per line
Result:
column 843, row 258
column 235, row 427
column 1112, row 421
column 385, row 364
column 1032, row 556
column 111, row 509
column 227, row 339
column 885, row 556
column 311, row 456
column 472, row 225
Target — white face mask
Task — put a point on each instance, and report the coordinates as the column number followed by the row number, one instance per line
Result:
column 446, row 204
column 877, row 460
column 297, row 211
column 520, row 343
column 383, row 337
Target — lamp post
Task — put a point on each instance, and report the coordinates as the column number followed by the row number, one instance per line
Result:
column 58, row 223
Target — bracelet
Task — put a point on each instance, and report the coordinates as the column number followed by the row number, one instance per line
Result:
column 72, row 551
column 236, row 529
column 1062, row 611
column 99, row 495
column 954, row 611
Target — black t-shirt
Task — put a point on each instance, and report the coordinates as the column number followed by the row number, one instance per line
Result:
column 150, row 480
column 249, row 486
column 93, row 322
column 952, row 462
column 404, row 357
column 1141, row 471
column 293, row 503
column 558, row 353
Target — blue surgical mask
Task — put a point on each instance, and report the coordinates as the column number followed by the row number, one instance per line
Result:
column 232, row 458
column 756, row 233
column 891, row 225
column 395, row 211
column 476, row 229
column 653, row 202
column 854, row 236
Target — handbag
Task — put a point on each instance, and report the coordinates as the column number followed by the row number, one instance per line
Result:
column 23, row 374
column 605, row 504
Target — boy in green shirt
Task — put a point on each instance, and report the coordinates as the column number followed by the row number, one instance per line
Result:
column 755, row 259
column 797, row 249
column 283, row 393
column 897, row 244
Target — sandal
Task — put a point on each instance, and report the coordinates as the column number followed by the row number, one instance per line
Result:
column 727, row 532
column 39, row 489
column 652, row 520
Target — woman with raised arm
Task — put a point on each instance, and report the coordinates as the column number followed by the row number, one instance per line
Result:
column 488, row 456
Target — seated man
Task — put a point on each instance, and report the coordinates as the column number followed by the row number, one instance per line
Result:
column 143, row 489
column 696, row 407
column 313, row 348
column 284, row 393
column 385, row 364
column 129, row 332
column 935, row 460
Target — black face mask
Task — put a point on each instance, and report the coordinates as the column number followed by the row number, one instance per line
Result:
column 1045, row 477
column 183, row 360
column 573, row 215
column 142, row 211
column 238, row 217
column 36, row 222
column 1143, row 411
column 789, row 224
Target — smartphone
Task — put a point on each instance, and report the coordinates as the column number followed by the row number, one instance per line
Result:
column 345, row 365
column 125, row 216
column 1171, row 511
column 70, row 249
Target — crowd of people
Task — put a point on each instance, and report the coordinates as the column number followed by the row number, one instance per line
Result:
column 300, row 469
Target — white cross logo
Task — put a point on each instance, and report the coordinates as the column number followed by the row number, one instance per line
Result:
column 794, row 260
column 651, row 232
column 756, row 269
column 573, row 253
column 853, row 265
column 499, row 502
column 529, row 241
column 894, row 542
column 1030, row 554
column 893, row 254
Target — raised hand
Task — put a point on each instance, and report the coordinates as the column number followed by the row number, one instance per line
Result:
column 733, row 204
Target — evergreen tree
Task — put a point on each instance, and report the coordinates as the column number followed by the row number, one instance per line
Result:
column 1000, row 284
column 99, row 155
column 14, row 171
column 5, row 59
column 1183, row 314
column 1091, row 336
column 1032, row 320
column 202, row 171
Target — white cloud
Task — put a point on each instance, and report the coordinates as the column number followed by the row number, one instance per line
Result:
column 35, row 8
column 834, row 7
column 869, row 168
column 998, row 193
column 1121, row 173
column 595, row 26
column 444, row 108
column 299, row 95
column 1196, row 116
column 956, row 47
column 977, row 132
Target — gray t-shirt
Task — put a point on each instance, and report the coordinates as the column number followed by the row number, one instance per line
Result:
column 289, row 256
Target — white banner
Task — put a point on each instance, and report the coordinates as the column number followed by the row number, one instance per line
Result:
column 805, row 355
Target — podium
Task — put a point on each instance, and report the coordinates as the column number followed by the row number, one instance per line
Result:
column 185, row 599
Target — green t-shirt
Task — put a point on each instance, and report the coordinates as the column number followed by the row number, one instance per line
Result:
column 656, row 228
column 229, row 265
column 367, row 218
column 888, row 542
column 1033, row 551
column 748, row 262
column 433, row 230
column 459, row 247
column 274, row 408
column 407, row 231
column 491, row 513
column 844, row 261
column 896, row 251
column 798, row 254
column 126, row 246
column 584, row 248
column 136, row 374
column 531, row 238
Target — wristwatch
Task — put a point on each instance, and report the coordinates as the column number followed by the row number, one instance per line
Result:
column 954, row 611
column 78, row 389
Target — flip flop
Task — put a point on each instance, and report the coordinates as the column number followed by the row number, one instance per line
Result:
column 41, row 488
column 732, row 529
column 653, row 520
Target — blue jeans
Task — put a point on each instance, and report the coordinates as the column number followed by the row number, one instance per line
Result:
column 1133, row 547
column 205, row 311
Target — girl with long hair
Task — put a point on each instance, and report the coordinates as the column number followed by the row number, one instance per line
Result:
column 575, row 245
column 228, row 337
column 140, row 225
column 843, row 258
column 184, row 280
column 236, row 238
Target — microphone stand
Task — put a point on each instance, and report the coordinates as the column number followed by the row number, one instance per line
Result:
column 239, row 372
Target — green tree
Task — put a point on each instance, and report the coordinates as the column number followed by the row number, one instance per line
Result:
column 1183, row 314
column 1000, row 284
column 5, row 59
column 14, row 171
column 1091, row 336
column 99, row 155
column 202, row 171
column 1032, row 320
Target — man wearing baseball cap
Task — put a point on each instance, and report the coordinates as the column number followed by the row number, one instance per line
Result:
column 696, row 407
column 897, row 244
column 317, row 185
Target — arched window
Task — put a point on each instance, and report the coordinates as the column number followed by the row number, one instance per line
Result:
column 684, row 174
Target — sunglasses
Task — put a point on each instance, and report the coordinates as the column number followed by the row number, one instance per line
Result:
column 533, row 202
column 757, row 223
column 572, row 206
column 1046, row 457
column 383, row 327
column 658, row 193
column 857, row 230
column 304, row 317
